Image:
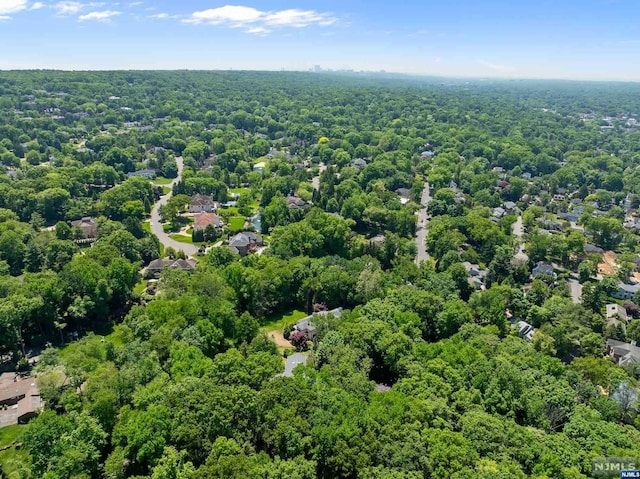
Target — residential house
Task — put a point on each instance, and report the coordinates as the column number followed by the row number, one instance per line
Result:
column 626, row 354
column 551, row 225
column 404, row 194
column 525, row 330
column 559, row 197
column 592, row 249
column 570, row 216
column 628, row 203
column 306, row 324
column 359, row 163
column 155, row 267
column 245, row 242
column 631, row 223
column 20, row 398
column 543, row 268
column 146, row 173
column 259, row 167
column 615, row 312
column 426, row 155
column 511, row 207
column 498, row 213
column 626, row 291
column 88, row 227
column 477, row 276
column 202, row 204
column 377, row 240
column 296, row 203
column 202, row 220
column 292, row 361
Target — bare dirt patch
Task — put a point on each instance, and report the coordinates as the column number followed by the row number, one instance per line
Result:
column 278, row 338
column 609, row 265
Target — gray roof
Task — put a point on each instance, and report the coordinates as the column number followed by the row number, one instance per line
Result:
column 239, row 240
column 292, row 361
column 631, row 288
column 306, row 324
column 543, row 268
column 628, row 353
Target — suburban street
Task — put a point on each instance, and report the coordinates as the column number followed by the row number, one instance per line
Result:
column 422, row 231
column 315, row 181
column 518, row 233
column 156, row 226
column 575, row 290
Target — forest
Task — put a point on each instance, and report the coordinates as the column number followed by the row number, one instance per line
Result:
column 310, row 275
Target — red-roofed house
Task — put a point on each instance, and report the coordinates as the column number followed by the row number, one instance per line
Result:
column 202, row 220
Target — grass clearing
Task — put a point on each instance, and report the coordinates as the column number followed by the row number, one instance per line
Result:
column 15, row 463
column 182, row 239
column 233, row 210
column 277, row 322
column 9, row 434
column 166, row 190
column 161, row 180
column 240, row 191
column 146, row 225
column 236, row 222
column 140, row 286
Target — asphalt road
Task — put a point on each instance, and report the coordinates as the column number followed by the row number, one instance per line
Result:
column 156, row 226
column 575, row 289
column 315, row 181
column 423, row 231
column 518, row 233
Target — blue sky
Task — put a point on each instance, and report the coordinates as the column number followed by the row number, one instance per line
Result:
column 586, row 39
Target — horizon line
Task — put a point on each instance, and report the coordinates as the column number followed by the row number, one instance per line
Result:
column 353, row 72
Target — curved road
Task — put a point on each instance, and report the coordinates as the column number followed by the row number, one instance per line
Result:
column 315, row 181
column 422, row 231
column 156, row 226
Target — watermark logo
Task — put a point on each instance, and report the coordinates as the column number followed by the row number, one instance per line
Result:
column 614, row 467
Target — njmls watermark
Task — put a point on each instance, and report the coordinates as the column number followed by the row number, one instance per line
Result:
column 612, row 466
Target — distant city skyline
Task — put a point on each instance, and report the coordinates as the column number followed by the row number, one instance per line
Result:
column 555, row 39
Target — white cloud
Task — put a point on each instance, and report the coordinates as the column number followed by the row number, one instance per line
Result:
column 73, row 8
column 103, row 16
column 12, row 6
column 160, row 15
column 37, row 6
column 68, row 8
column 260, row 22
column 233, row 14
column 258, row 30
column 4, row 17
column 298, row 18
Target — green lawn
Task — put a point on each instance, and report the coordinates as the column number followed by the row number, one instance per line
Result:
column 9, row 434
column 140, row 286
column 236, row 222
column 15, row 463
column 146, row 225
column 181, row 238
column 240, row 191
column 161, row 180
column 232, row 209
column 166, row 190
column 278, row 321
